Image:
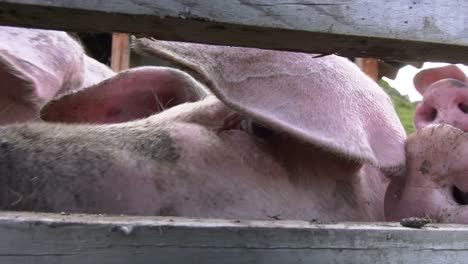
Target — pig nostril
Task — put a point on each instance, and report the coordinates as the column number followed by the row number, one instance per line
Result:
column 433, row 114
column 459, row 196
column 463, row 108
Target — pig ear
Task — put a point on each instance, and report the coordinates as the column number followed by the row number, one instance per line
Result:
column 20, row 82
column 30, row 72
column 425, row 78
column 129, row 95
column 16, row 84
column 325, row 101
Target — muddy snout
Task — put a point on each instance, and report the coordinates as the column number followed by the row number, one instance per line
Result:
column 436, row 184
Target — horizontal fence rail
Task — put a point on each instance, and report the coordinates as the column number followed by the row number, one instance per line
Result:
column 58, row 238
column 423, row 30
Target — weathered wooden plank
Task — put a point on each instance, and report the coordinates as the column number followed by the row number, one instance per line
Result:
column 49, row 238
column 400, row 29
column 120, row 52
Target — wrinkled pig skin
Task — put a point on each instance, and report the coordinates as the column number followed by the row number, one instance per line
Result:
column 37, row 65
column 195, row 159
column 435, row 185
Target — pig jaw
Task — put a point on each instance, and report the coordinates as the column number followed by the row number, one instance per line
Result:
column 436, row 182
column 81, row 169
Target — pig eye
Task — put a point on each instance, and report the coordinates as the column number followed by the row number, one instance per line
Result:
column 459, row 196
column 255, row 129
column 463, row 108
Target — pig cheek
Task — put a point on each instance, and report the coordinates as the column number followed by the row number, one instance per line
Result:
column 394, row 204
column 422, row 193
column 404, row 199
column 230, row 152
column 401, row 197
column 223, row 170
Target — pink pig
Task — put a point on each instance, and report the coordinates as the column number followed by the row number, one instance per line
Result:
column 239, row 133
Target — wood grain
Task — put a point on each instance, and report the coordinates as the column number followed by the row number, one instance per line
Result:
column 401, row 29
column 54, row 238
column 120, row 52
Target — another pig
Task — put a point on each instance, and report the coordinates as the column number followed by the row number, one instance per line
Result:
column 323, row 135
column 37, row 65
column 436, row 184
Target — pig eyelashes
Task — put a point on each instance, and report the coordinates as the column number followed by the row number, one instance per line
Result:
column 248, row 126
column 256, row 129
column 459, row 196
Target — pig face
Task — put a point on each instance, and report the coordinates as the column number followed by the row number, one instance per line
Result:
column 37, row 65
column 445, row 97
column 256, row 135
column 435, row 185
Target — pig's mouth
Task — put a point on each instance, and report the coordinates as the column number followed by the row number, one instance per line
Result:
column 459, row 196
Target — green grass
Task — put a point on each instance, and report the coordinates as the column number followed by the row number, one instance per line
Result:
column 404, row 108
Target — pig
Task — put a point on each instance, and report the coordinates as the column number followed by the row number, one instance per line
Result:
column 435, row 186
column 237, row 133
column 37, row 65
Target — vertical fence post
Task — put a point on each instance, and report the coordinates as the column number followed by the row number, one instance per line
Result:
column 120, row 52
column 369, row 66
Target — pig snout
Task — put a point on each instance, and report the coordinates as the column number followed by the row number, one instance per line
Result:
column 444, row 103
column 436, row 184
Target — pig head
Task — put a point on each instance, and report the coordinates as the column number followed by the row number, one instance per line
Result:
column 436, row 184
column 37, row 65
column 279, row 135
